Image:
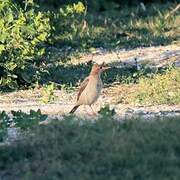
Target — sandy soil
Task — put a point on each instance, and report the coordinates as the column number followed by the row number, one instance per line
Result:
column 153, row 56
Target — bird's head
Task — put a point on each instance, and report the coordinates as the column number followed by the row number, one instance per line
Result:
column 99, row 68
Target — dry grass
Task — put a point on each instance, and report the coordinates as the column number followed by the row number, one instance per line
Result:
column 160, row 89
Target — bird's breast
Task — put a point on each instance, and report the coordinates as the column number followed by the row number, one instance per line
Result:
column 92, row 91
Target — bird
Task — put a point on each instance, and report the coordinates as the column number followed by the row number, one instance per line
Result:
column 90, row 88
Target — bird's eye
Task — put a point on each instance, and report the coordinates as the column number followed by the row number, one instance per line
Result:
column 101, row 67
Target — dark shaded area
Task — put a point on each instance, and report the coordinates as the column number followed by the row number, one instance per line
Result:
column 71, row 75
column 105, row 149
column 2, row 71
column 97, row 5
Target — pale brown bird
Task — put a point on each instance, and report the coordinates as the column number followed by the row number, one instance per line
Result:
column 90, row 88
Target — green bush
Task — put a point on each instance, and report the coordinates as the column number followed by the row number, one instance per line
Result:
column 22, row 35
column 19, row 119
column 68, row 24
column 105, row 149
column 25, row 33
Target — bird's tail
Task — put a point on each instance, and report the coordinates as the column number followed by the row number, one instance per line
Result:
column 74, row 109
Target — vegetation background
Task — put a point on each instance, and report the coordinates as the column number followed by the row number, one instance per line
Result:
column 38, row 40
column 32, row 33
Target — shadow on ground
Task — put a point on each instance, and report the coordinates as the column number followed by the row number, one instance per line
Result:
column 71, row 75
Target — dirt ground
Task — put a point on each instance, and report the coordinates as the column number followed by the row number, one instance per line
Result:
column 153, row 56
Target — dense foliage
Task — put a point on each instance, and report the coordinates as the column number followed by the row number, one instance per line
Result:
column 22, row 34
column 104, row 149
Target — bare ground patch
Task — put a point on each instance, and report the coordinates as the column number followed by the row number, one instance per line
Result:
column 116, row 95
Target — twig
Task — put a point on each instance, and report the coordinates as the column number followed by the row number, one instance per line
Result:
column 173, row 11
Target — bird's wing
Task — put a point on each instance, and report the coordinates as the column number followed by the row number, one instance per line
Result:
column 82, row 87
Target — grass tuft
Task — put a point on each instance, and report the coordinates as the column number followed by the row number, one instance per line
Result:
column 160, row 89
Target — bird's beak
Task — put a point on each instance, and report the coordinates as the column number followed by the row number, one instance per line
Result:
column 105, row 68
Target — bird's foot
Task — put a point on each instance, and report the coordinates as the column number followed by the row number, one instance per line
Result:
column 92, row 114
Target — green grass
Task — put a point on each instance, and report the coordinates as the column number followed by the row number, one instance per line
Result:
column 125, row 28
column 104, row 149
column 160, row 89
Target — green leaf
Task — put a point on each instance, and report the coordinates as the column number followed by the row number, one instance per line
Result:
column 3, row 37
column 11, row 66
column 2, row 48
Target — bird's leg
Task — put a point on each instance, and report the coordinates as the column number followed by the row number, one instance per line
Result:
column 85, row 109
column 94, row 113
